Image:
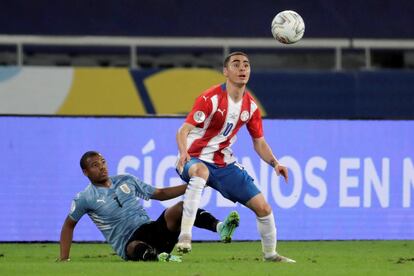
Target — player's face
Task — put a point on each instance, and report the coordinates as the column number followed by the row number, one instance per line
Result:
column 237, row 70
column 96, row 169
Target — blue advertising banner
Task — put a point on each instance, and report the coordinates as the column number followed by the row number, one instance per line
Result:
column 348, row 179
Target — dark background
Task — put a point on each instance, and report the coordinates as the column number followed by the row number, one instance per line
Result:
column 323, row 18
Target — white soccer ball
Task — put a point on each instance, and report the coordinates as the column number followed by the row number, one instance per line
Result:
column 288, row 27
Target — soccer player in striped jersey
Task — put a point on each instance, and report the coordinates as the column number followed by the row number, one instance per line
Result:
column 205, row 155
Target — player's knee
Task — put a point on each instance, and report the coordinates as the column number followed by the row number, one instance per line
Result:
column 141, row 251
column 175, row 210
column 263, row 210
column 180, row 205
column 199, row 170
column 173, row 216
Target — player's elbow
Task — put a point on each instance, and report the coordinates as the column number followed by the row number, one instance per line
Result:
column 160, row 194
column 259, row 144
column 157, row 194
column 185, row 129
column 257, row 147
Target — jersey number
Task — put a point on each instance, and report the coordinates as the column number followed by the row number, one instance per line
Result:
column 228, row 128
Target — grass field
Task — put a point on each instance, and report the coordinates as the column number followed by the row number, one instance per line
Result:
column 237, row 258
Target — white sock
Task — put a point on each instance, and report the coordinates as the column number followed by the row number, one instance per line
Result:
column 218, row 227
column 267, row 229
column 192, row 198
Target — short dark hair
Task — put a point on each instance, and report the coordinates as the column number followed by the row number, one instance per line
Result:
column 227, row 59
column 85, row 156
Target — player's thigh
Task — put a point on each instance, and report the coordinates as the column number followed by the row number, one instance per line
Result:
column 164, row 239
column 157, row 234
column 259, row 205
column 234, row 183
column 194, row 167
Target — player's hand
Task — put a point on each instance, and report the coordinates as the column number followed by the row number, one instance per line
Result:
column 184, row 158
column 282, row 170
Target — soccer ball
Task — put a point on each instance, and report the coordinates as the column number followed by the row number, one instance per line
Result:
column 288, row 27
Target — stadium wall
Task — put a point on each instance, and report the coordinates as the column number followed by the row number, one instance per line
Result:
column 281, row 94
column 328, row 19
column 348, row 179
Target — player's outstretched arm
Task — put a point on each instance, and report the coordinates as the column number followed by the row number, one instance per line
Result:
column 169, row 192
column 66, row 236
column 265, row 152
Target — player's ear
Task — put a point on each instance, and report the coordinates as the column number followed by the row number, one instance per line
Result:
column 85, row 173
column 225, row 71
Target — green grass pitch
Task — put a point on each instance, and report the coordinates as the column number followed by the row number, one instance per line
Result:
column 237, row 258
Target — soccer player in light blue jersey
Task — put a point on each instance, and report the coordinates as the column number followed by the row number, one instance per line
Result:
column 112, row 204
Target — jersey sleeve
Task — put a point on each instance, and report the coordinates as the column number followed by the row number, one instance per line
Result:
column 254, row 125
column 201, row 110
column 142, row 190
column 78, row 207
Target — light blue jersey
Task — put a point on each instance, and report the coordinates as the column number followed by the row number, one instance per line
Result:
column 116, row 211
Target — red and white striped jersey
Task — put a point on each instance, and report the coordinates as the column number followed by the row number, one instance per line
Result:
column 217, row 119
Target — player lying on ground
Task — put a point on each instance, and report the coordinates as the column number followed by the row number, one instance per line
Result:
column 111, row 203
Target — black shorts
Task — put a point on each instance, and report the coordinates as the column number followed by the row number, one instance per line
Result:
column 157, row 235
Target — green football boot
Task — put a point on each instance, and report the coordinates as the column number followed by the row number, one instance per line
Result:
column 165, row 257
column 227, row 227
